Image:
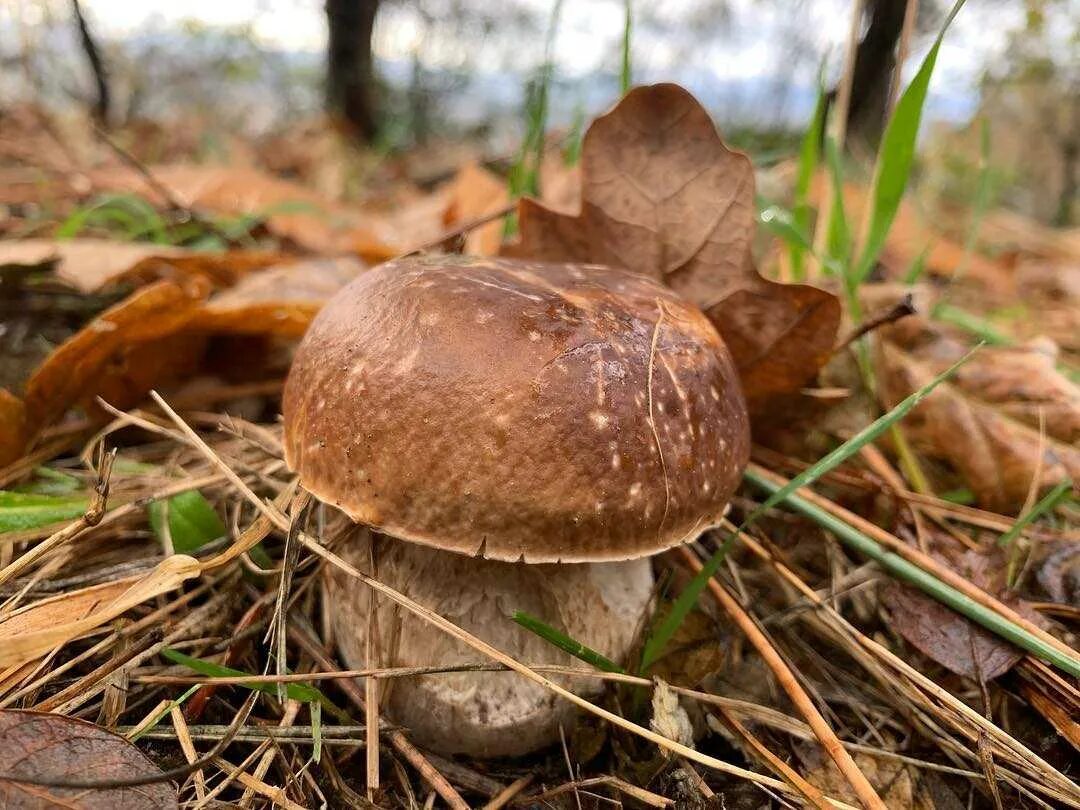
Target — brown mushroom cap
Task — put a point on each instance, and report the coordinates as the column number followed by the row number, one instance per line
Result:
column 517, row 410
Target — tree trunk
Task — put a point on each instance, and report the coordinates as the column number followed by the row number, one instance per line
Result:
column 350, row 87
column 97, row 66
column 875, row 61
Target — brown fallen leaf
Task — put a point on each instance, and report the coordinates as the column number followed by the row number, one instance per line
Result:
column 12, row 426
column 89, row 265
column 45, row 746
column 475, row 192
column 158, row 335
column 150, row 313
column 52, row 610
column 894, row 781
column 944, row 635
column 985, row 420
column 662, row 195
column 280, row 302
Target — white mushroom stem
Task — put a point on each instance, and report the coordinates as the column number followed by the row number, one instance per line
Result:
column 482, row 713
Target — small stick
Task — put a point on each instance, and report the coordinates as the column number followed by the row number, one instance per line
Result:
column 829, row 741
column 460, row 229
column 183, row 736
column 504, row 796
column 903, row 308
column 812, row 794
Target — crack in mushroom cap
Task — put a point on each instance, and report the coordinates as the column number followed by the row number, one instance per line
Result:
column 515, row 410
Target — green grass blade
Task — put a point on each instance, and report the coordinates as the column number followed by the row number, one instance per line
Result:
column 164, row 711
column 565, row 643
column 838, row 240
column 300, row 692
column 969, row 322
column 918, row 267
column 784, row 224
column 924, row 581
column 625, row 79
column 688, row 598
column 982, row 202
column 1046, row 504
column 896, row 156
column 809, row 150
column 23, row 510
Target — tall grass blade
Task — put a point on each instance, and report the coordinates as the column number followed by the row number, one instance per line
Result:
column 896, row 156
column 565, row 643
column 1047, row 504
column 838, row 239
column 625, row 79
column 296, row 691
column 688, row 598
column 923, row 580
column 809, row 150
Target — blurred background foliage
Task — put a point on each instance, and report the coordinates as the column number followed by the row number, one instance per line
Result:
column 436, row 77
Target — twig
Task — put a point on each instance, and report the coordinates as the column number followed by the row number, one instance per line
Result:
column 829, row 741
column 903, row 308
column 503, row 797
column 459, row 230
column 812, row 794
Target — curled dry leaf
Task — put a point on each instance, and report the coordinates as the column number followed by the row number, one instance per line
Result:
column 985, row 420
column 158, row 334
column 44, row 747
column 31, row 642
column 89, row 265
column 669, row 719
column 68, row 374
column 662, row 195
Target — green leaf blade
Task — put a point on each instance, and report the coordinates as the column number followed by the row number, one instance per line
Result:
column 192, row 521
column 20, row 511
column 565, row 643
column 896, row 156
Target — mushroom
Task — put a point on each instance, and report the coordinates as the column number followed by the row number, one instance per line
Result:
column 510, row 435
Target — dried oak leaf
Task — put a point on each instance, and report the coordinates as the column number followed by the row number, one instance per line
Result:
column 50, row 747
column 89, row 265
column 662, row 195
column 945, row 636
column 985, row 420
